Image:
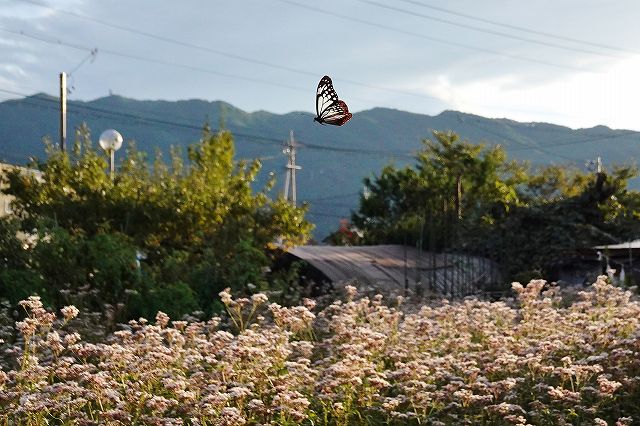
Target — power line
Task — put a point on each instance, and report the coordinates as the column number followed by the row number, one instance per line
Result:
column 358, row 151
column 273, row 141
column 53, row 105
column 526, row 146
column 310, row 213
column 226, row 54
column 575, row 142
column 151, row 60
column 171, row 40
column 334, row 204
column 484, row 30
column 518, row 28
column 333, row 197
column 299, row 71
column 437, row 40
column 210, row 50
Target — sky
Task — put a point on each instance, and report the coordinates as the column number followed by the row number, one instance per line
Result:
column 572, row 62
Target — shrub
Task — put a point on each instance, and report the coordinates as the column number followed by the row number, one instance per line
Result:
column 526, row 360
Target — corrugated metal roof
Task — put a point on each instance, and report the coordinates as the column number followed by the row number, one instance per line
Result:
column 384, row 266
column 635, row 244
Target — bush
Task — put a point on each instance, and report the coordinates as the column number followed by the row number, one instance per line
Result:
column 530, row 359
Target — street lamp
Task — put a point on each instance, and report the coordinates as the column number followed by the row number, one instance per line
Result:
column 111, row 141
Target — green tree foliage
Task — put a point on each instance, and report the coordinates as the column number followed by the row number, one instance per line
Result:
column 468, row 197
column 194, row 226
column 452, row 182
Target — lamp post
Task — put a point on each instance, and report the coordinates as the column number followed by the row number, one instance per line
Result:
column 111, row 141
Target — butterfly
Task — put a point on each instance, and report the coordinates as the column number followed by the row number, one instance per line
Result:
column 330, row 109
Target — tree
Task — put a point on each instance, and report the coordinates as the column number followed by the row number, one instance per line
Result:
column 453, row 186
column 182, row 218
column 467, row 197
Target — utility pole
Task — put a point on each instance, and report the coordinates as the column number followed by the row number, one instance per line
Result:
column 63, row 110
column 290, row 181
column 597, row 164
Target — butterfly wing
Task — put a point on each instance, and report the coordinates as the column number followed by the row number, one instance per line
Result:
column 330, row 109
column 337, row 114
column 325, row 95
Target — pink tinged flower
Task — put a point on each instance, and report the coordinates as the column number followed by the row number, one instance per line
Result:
column 69, row 312
column 162, row 319
column 517, row 286
column 256, row 405
column 179, row 325
column 606, row 386
column 239, row 392
column 309, row 303
column 351, row 291
column 232, row 416
column 54, row 341
column 32, row 303
column 259, row 298
column 72, row 338
column 159, row 404
column 27, row 327
column 225, row 296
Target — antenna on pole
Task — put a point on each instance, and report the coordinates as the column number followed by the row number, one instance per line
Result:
column 290, row 181
column 595, row 165
column 63, row 110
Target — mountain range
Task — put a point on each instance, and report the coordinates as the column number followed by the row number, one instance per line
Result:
column 334, row 160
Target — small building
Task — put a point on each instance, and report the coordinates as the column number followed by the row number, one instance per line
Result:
column 586, row 264
column 397, row 269
column 623, row 257
column 5, row 200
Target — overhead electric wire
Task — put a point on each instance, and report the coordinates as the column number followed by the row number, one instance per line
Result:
column 91, row 56
column 332, row 148
column 151, row 60
column 222, row 53
column 333, row 197
column 310, row 213
column 332, row 204
column 227, row 54
column 74, row 106
column 525, row 146
column 518, row 28
column 484, row 30
column 580, row 141
column 436, row 39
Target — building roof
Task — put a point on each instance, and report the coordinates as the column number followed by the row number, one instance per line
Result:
column 388, row 266
column 5, row 200
column 635, row 244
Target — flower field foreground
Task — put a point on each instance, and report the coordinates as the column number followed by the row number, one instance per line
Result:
column 535, row 359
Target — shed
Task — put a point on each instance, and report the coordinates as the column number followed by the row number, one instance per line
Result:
column 394, row 268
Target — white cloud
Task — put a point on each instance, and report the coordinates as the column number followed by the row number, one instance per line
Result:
column 576, row 99
column 12, row 70
column 457, row 78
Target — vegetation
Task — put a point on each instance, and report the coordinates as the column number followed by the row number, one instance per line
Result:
column 467, row 197
column 160, row 236
column 541, row 358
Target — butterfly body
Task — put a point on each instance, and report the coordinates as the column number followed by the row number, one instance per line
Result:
column 329, row 108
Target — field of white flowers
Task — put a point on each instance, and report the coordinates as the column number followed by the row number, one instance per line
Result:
column 543, row 358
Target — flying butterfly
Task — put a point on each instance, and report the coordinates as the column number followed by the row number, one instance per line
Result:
column 330, row 109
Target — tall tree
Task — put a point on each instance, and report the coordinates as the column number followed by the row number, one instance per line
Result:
column 453, row 185
column 472, row 198
column 197, row 224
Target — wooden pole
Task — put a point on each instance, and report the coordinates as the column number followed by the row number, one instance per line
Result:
column 63, row 110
